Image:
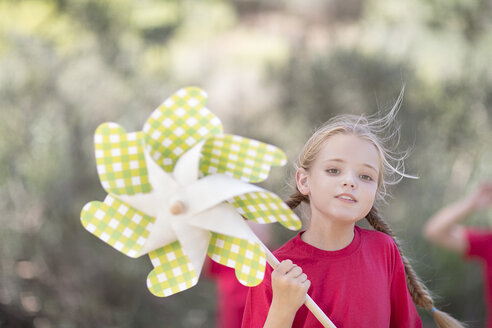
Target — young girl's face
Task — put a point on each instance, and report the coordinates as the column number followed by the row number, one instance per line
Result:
column 343, row 180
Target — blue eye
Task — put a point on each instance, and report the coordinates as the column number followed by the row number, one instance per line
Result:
column 366, row 177
column 333, row 171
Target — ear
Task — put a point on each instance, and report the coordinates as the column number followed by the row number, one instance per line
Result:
column 302, row 181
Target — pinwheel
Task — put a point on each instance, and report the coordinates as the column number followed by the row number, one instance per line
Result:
column 181, row 189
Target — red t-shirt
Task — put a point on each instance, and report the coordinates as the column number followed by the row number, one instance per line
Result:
column 480, row 246
column 231, row 296
column 361, row 285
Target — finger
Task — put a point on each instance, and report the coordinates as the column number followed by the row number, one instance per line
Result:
column 295, row 271
column 303, row 281
column 284, row 267
column 302, row 278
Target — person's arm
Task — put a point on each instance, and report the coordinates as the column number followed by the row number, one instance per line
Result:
column 444, row 227
column 289, row 286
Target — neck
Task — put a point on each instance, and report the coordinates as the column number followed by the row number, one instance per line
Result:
column 328, row 235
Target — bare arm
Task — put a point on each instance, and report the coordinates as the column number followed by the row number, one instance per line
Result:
column 289, row 286
column 444, row 227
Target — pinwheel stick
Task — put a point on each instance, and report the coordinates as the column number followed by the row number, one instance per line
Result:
column 310, row 304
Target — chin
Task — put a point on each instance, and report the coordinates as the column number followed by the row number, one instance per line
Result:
column 344, row 217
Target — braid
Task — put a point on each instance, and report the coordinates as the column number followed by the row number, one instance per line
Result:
column 420, row 294
column 296, row 199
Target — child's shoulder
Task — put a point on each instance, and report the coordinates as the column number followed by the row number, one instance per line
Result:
column 377, row 237
column 292, row 243
column 371, row 240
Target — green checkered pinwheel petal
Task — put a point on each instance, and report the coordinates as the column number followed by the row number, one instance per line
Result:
column 266, row 207
column 120, row 160
column 177, row 125
column 242, row 158
column 173, row 271
column 246, row 257
column 118, row 224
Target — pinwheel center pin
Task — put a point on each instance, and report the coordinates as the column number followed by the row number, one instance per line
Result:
column 177, row 207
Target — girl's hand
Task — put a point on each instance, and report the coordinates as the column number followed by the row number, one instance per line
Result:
column 482, row 197
column 289, row 286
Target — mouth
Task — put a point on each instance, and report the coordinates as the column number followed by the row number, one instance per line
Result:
column 346, row 198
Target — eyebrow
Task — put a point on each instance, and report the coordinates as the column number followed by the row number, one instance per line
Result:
column 342, row 161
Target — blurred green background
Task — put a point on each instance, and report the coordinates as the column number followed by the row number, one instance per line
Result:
column 274, row 70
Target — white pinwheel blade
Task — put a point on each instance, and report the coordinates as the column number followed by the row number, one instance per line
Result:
column 210, row 191
column 233, row 243
column 223, row 219
column 178, row 265
column 194, row 242
column 186, row 169
column 163, row 185
column 155, row 204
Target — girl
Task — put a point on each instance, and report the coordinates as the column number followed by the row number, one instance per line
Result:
column 360, row 278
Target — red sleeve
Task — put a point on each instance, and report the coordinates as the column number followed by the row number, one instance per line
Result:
column 258, row 303
column 479, row 243
column 403, row 311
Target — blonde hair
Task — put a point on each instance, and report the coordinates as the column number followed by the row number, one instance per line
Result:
column 392, row 170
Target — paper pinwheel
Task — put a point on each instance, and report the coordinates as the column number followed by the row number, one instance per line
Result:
column 180, row 189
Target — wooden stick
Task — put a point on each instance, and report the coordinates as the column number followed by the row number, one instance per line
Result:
column 310, row 304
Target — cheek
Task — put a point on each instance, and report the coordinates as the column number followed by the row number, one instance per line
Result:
column 370, row 197
column 371, row 191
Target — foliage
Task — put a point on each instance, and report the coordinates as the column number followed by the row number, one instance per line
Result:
column 68, row 65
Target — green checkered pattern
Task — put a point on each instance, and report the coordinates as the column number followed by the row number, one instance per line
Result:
column 266, row 207
column 246, row 257
column 177, row 125
column 242, row 158
column 118, row 224
column 120, row 160
column 173, row 271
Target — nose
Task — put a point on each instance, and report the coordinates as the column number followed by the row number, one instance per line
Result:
column 349, row 184
column 348, row 181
